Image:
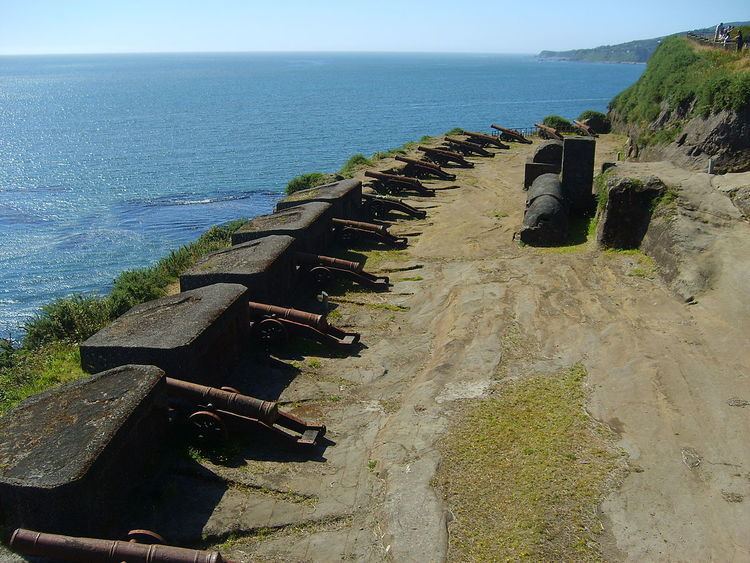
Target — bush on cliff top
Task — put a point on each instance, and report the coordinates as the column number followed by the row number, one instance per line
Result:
column 557, row 122
column 599, row 122
column 310, row 180
column 695, row 81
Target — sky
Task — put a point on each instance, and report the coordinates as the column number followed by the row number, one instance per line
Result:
column 481, row 26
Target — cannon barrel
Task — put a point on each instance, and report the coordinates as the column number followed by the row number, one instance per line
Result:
column 372, row 227
column 294, row 315
column 89, row 550
column 416, row 162
column 316, row 260
column 236, row 403
column 551, row 131
column 393, row 178
column 511, row 133
column 446, row 153
column 468, row 146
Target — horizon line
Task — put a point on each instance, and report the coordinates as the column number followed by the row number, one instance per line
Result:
column 267, row 52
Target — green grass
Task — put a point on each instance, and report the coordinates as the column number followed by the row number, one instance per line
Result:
column 523, row 473
column 28, row 372
column 682, row 76
column 310, row 180
column 354, row 165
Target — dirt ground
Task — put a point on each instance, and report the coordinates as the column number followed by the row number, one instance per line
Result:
column 470, row 307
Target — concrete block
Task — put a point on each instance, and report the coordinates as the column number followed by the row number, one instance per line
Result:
column 578, row 174
column 345, row 198
column 265, row 266
column 309, row 224
column 196, row 335
column 71, row 457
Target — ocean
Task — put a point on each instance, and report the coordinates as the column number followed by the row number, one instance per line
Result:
column 109, row 161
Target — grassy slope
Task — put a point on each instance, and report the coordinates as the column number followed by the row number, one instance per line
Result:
column 687, row 79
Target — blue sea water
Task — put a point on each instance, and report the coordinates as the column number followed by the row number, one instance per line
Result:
column 109, row 161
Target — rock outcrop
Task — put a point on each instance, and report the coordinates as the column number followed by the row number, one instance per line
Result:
column 625, row 216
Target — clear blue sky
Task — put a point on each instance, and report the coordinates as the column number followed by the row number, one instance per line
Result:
column 489, row 26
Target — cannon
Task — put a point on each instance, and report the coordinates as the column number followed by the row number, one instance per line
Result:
column 423, row 169
column 90, row 550
column 484, row 140
column 511, row 135
column 584, row 129
column 376, row 206
column 273, row 325
column 321, row 269
column 545, row 221
column 212, row 409
column 467, row 147
column 391, row 183
column 546, row 132
column 357, row 229
column 442, row 157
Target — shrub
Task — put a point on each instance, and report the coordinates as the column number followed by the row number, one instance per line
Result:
column 133, row 287
column 70, row 319
column 310, row 180
column 599, row 122
column 455, row 131
column 557, row 122
column 352, row 166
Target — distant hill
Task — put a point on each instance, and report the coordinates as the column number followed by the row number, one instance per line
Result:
column 631, row 52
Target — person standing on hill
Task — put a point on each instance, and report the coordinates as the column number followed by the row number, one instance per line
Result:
column 719, row 32
column 740, row 41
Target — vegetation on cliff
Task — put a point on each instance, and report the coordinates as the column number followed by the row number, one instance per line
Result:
column 48, row 353
column 688, row 80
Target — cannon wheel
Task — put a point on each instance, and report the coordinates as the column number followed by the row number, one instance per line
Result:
column 320, row 276
column 230, row 390
column 146, row 537
column 270, row 331
column 208, row 426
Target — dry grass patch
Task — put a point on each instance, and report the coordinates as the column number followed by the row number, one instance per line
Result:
column 524, row 472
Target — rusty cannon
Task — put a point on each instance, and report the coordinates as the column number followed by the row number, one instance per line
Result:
column 348, row 230
column 442, row 157
column 547, row 132
column 378, row 206
column 424, row 169
column 212, row 410
column 485, row 140
column 320, row 270
column 274, row 325
column 585, row 129
column 90, row 550
column 467, row 147
column 511, row 135
column 391, row 183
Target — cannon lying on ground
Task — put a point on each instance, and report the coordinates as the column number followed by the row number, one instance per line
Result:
column 378, row 206
column 90, row 550
column 391, row 183
column 353, row 230
column 424, row 169
column 511, row 135
column 545, row 222
column 466, row 147
column 274, row 325
column 546, row 132
column 320, row 270
column 212, row 409
column 442, row 157
column 485, row 140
